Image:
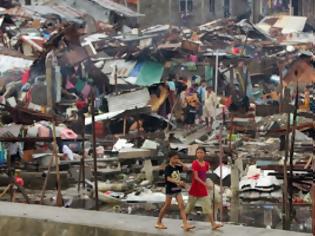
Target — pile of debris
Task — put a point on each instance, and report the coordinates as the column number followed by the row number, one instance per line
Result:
column 104, row 104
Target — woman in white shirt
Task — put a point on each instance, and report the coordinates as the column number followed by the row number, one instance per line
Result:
column 209, row 111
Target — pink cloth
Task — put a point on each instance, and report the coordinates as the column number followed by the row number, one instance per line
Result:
column 68, row 134
column 193, row 58
column 86, row 90
column 43, row 132
column 69, row 85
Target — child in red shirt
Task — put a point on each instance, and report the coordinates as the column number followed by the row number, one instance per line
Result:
column 198, row 191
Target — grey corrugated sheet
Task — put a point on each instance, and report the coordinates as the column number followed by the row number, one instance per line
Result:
column 62, row 10
column 129, row 101
column 118, row 8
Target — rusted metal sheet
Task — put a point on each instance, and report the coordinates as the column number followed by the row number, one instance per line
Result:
column 190, row 46
column 74, row 56
column 300, row 72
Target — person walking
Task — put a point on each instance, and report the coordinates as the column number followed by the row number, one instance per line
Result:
column 173, row 188
column 198, row 192
column 210, row 107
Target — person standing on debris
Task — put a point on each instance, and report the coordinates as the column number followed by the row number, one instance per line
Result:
column 201, row 92
column 191, row 109
column 172, row 92
column 198, row 192
column 209, row 110
column 173, row 189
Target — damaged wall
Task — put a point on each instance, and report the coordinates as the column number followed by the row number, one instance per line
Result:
column 168, row 12
column 306, row 8
column 239, row 8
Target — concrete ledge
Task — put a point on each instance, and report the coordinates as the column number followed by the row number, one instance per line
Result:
column 34, row 220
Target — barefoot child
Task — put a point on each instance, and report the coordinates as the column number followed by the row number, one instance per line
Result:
column 198, row 192
column 173, row 188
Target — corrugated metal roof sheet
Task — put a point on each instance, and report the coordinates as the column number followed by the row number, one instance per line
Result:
column 128, row 101
column 62, row 10
column 17, row 11
column 118, row 8
column 9, row 62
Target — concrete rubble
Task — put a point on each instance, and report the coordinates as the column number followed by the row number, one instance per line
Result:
column 75, row 92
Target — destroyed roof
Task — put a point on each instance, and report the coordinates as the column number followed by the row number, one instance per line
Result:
column 287, row 24
column 118, row 8
column 64, row 11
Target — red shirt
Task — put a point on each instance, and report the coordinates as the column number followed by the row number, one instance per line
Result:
column 198, row 189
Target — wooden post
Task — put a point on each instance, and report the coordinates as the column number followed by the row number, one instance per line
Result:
column 213, row 201
column 313, row 200
column 216, row 72
column 244, row 45
column 235, row 180
column 83, row 150
column 313, row 210
column 46, row 180
column 125, row 126
column 280, row 68
column 49, row 78
column 285, row 210
column 82, row 161
column 59, row 201
column 80, row 176
column 292, row 149
column 221, row 171
column 94, row 151
column 116, row 80
column 138, row 130
column 9, row 163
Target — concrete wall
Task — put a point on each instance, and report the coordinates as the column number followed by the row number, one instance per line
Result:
column 35, row 220
column 167, row 12
column 307, row 8
column 239, row 7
